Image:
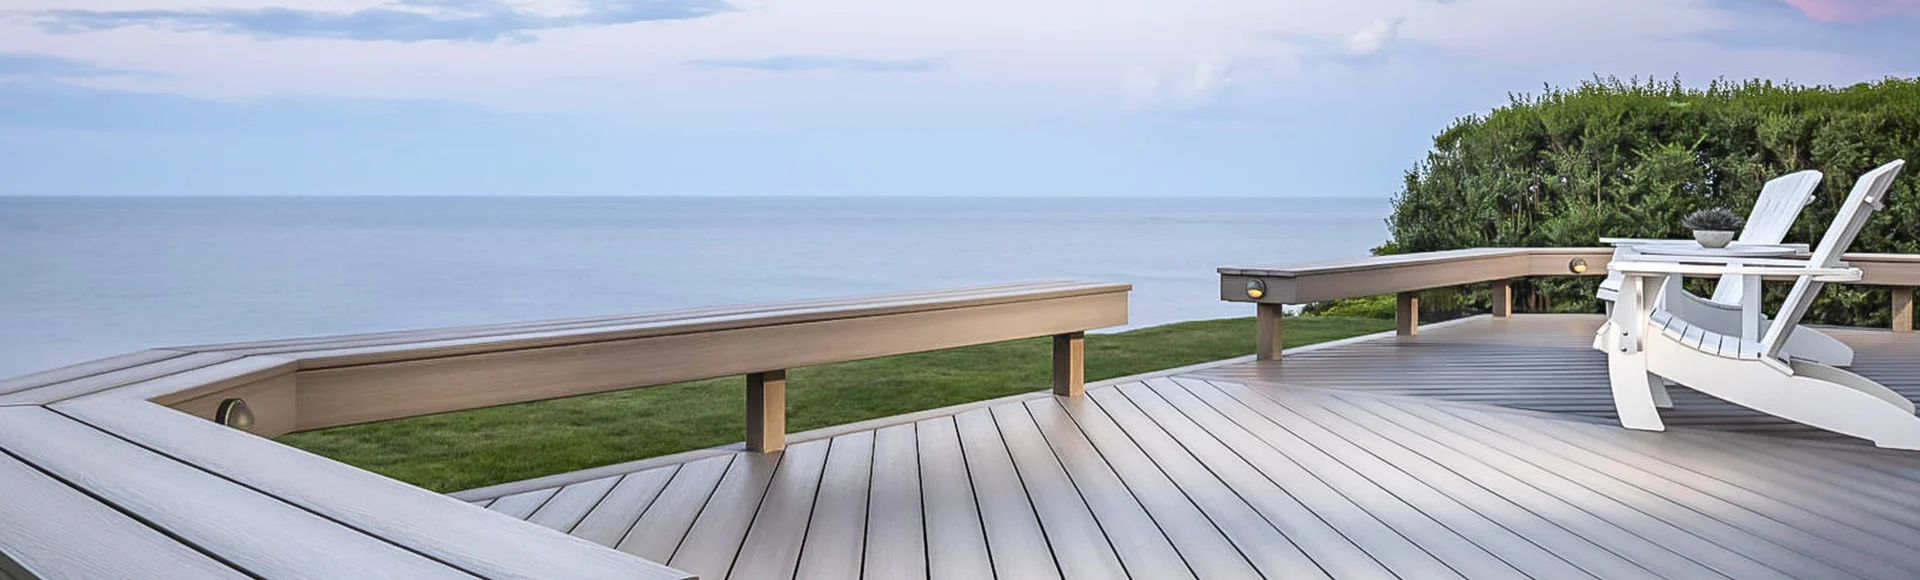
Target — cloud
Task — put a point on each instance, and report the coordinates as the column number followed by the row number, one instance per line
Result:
column 1194, row 86
column 403, row 21
column 820, row 63
column 1856, row 10
column 33, row 66
column 1370, row 46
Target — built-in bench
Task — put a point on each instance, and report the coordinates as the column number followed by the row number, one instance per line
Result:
column 115, row 480
column 1271, row 287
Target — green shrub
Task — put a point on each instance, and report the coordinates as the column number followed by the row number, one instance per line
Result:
column 1629, row 159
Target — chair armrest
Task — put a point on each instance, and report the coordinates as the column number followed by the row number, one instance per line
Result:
column 1638, row 268
column 1637, row 241
column 1646, row 241
column 1727, row 260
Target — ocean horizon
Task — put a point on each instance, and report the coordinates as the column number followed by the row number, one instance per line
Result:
column 87, row 277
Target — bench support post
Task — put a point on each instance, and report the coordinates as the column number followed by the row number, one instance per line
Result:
column 1902, row 309
column 1070, row 364
column 767, row 411
column 1502, row 294
column 1267, row 320
column 1406, row 313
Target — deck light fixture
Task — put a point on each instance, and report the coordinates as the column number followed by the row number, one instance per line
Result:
column 234, row 413
column 1256, row 289
column 1578, row 265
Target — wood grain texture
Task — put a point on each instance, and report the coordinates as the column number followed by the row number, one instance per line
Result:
column 608, row 521
column 1069, row 364
column 713, row 544
column 733, row 319
column 836, row 535
column 51, row 530
column 896, row 532
column 570, row 504
column 767, row 411
column 1406, row 313
column 348, row 395
column 778, row 312
column 1019, row 547
column 771, row 548
column 664, row 525
column 86, row 369
column 1269, row 331
column 1370, row 468
column 446, row 529
column 1078, row 543
column 1902, row 308
column 238, row 524
column 956, row 542
column 89, row 384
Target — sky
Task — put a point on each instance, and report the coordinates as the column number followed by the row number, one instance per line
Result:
column 1162, row 98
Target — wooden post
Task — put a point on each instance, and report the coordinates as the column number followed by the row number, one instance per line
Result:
column 1267, row 318
column 767, row 411
column 1502, row 294
column 1406, row 313
column 1902, row 308
column 1070, row 364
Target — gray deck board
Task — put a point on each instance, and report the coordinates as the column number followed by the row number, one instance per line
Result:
column 616, row 513
column 571, row 504
column 1018, row 546
column 665, row 523
column 52, row 530
column 772, row 545
column 956, row 538
column 896, row 537
column 1483, row 449
column 1079, row 545
column 713, row 544
column 836, row 536
column 214, row 515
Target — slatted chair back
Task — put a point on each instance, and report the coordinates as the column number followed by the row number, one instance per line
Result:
column 1781, row 200
column 1869, row 194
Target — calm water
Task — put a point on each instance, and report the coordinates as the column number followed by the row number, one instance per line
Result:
column 85, row 278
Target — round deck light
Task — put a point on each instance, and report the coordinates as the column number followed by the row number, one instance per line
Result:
column 1256, row 289
column 1578, row 265
column 234, row 413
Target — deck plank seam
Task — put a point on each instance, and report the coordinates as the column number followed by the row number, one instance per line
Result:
column 1093, row 406
column 1684, row 505
column 1400, row 442
column 1054, row 451
column 1238, row 494
column 1284, row 488
column 1799, row 491
column 1317, row 475
column 243, row 485
column 1488, row 456
column 1587, row 484
column 706, row 502
column 642, row 512
column 1027, row 492
column 596, row 504
column 1373, row 451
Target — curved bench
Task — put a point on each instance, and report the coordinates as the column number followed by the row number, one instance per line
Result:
column 117, row 468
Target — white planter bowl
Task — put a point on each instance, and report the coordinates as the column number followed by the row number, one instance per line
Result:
column 1712, row 239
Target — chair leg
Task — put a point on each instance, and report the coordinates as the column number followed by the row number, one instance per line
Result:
column 1633, row 392
column 1660, row 397
column 1815, row 395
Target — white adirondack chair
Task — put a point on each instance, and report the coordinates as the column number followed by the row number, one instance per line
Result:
column 1780, row 202
column 1647, row 341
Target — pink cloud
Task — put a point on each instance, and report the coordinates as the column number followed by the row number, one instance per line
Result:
column 1856, row 10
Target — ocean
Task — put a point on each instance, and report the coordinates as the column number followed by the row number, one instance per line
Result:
column 83, row 278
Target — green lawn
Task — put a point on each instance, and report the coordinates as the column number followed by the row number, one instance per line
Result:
column 468, row 449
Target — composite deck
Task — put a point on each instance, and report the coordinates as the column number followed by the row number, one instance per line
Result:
column 1478, row 449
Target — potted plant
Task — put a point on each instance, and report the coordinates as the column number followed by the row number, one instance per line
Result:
column 1713, row 228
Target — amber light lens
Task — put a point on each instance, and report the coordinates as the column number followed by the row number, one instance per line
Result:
column 1578, row 265
column 1256, row 289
